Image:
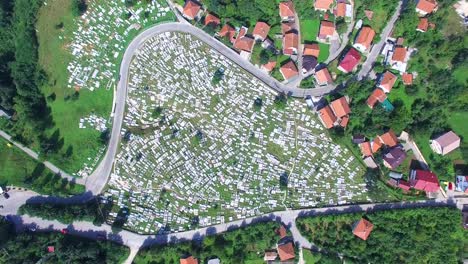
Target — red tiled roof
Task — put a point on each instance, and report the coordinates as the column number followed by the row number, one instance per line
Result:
column 286, row 251
column 365, row 37
column 424, row 181
column 311, row 49
column 286, row 9
column 189, row 260
column 350, row 60
column 289, row 70
column 376, row 95
column 269, row 66
column 344, row 121
column 327, row 116
column 282, row 231
column 261, row 30
column 323, row 4
column 407, row 78
column 363, row 229
column 389, row 139
column 366, row 149
column 243, row 42
column 387, row 81
column 340, row 107
column 327, row 29
column 290, row 43
column 287, row 26
column 191, row 9
column 323, row 76
column 399, row 54
column 228, row 31
column 211, row 19
column 423, row 24
column 51, row 249
column 402, row 184
column 427, row 6
column 340, row 9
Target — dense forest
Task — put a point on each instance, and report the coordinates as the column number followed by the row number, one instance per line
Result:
column 32, row 247
column 245, row 245
column 423, row 235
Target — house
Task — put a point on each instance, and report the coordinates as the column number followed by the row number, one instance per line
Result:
column 269, row 66
column 323, row 77
column 323, row 5
column 326, row 31
column 214, row 261
column 389, row 139
column 288, row 27
column 311, row 50
column 378, row 95
column 340, row 107
column 366, row 149
column 358, row 139
column 281, row 231
column 228, row 32
column 270, row 256
column 407, row 78
column 370, row 163
column 425, row 7
column 290, row 43
column 394, row 158
column 386, row 81
column 327, row 117
column 50, row 249
column 423, row 24
column 192, row 9
column 243, row 42
column 189, row 260
column 461, row 183
column 399, row 59
column 308, row 63
column 286, row 251
column 286, row 10
column 260, row 31
column 212, row 20
column 340, row 10
column 268, row 44
column 362, row 229
column 404, row 185
column 350, row 61
column 289, row 70
column 395, row 175
column 424, row 181
column 364, row 39
column 445, row 143
column 376, row 144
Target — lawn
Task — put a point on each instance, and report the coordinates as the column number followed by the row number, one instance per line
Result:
column 309, row 29
column 324, row 52
column 20, row 170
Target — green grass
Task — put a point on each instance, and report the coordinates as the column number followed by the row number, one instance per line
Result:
column 20, row 170
column 324, row 52
column 309, row 29
column 460, row 75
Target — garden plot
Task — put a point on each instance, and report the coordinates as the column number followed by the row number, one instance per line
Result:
column 195, row 153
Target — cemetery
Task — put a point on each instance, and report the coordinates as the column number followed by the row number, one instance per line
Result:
column 204, row 142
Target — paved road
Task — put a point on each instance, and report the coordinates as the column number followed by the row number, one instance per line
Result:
column 344, row 42
column 375, row 51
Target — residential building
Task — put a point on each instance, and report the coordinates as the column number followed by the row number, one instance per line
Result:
column 286, row 251
column 270, row 256
column 260, row 31
column 290, row 43
column 362, row 229
column 389, row 139
column 399, row 59
column 327, row 117
column 461, row 183
column 192, row 10
column 446, row 143
column 244, row 43
column 326, row 31
column 340, row 10
column 407, row 78
column 289, row 70
column 312, row 50
column 323, row 77
column 350, row 61
column 308, row 63
column 376, row 144
column 364, row 39
column 188, row 260
column 212, row 20
column 214, row 261
column 394, row 158
column 286, row 10
column 287, row 27
column 366, row 149
column 370, row 163
column 323, row 5
column 424, row 7
column 228, row 32
column 340, row 107
column 424, row 181
column 269, row 66
column 423, row 24
column 378, row 95
column 386, row 81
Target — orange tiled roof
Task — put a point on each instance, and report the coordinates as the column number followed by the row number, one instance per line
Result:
column 344, row 121
column 189, row 260
column 228, row 31
column 365, row 37
column 340, row 107
column 323, row 76
column 261, row 29
column 287, row 26
column 423, row 24
column 327, row 28
column 323, row 4
column 289, row 70
column 327, row 116
column 389, row 139
column 286, row 9
column 387, row 82
column 243, row 42
column 407, row 78
column 399, row 54
column 211, row 19
column 340, row 9
column 376, row 96
column 376, row 145
column 290, row 42
column 191, row 9
column 286, row 251
column 269, row 66
column 311, row 49
column 427, row 6
column 366, row 149
column 363, row 229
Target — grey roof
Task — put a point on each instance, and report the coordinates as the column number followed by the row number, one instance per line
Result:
column 395, row 157
column 309, row 62
column 395, row 175
column 447, row 139
column 213, row 261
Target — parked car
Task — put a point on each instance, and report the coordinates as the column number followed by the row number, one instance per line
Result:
column 6, row 195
